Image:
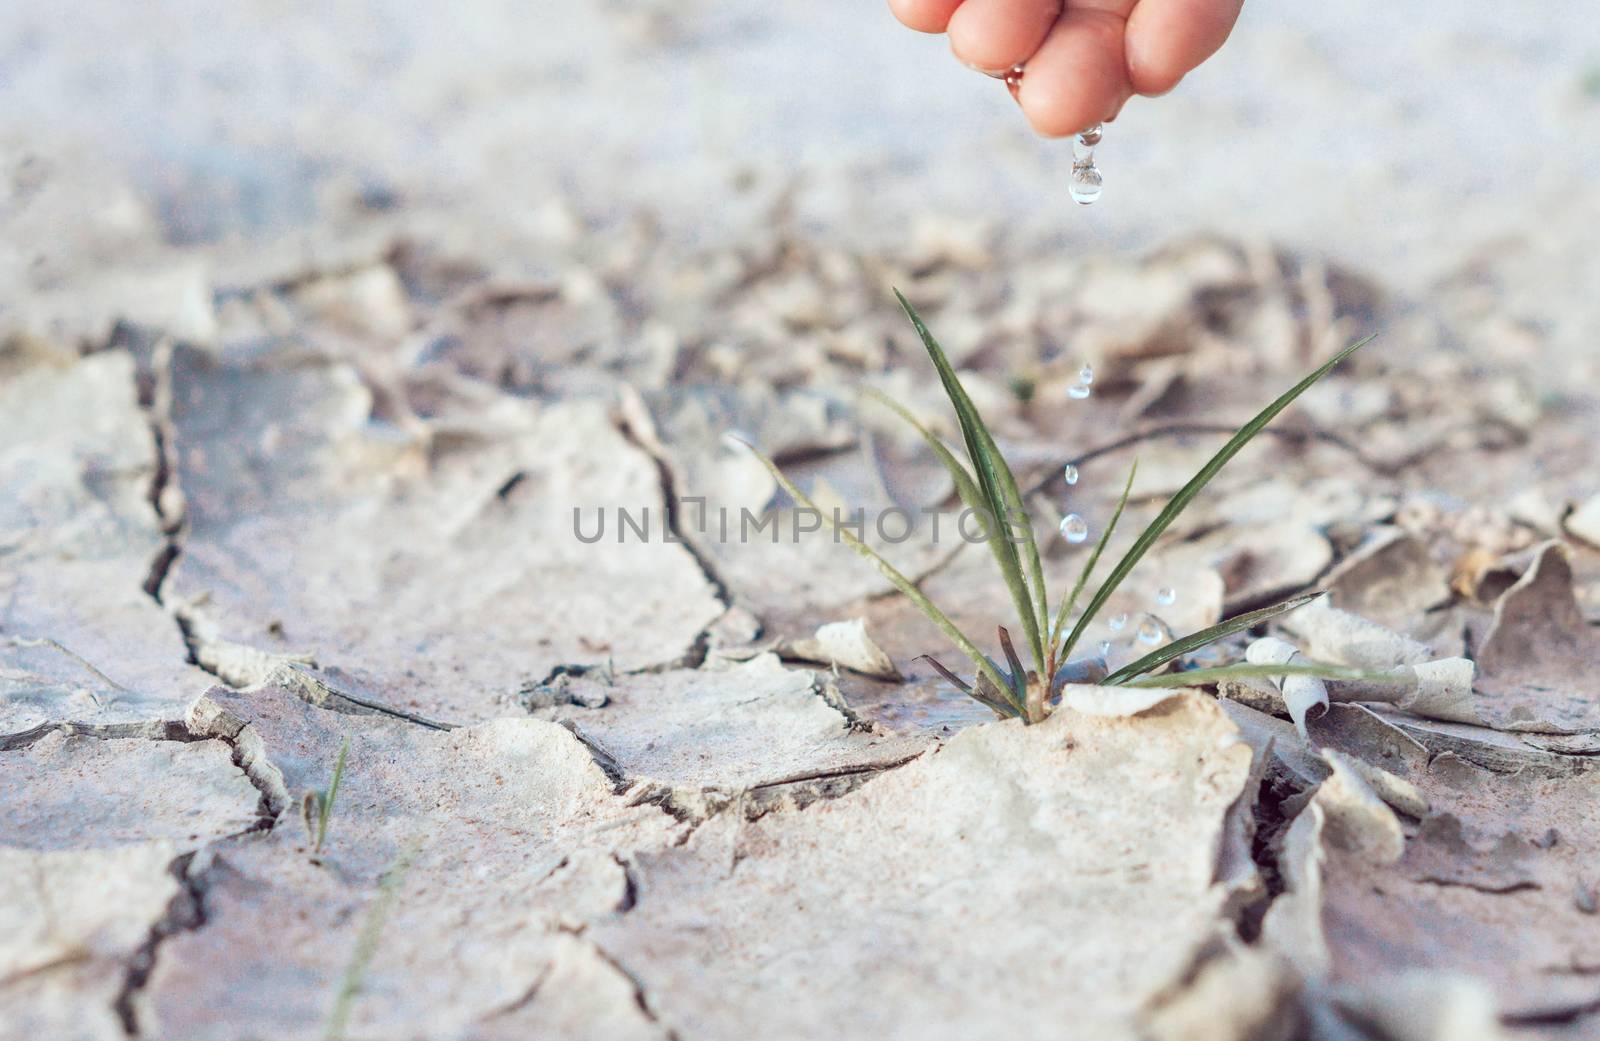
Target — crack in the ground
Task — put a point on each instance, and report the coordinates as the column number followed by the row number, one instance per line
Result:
column 637, row 428
column 153, row 730
column 154, row 390
column 630, row 885
column 1266, row 843
column 185, row 912
column 641, row 998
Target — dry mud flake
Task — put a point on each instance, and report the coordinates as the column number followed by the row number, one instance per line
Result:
column 1539, row 666
column 92, row 834
column 1060, row 880
column 516, row 841
column 1485, row 903
column 754, row 727
column 80, row 640
column 436, row 577
column 1391, row 579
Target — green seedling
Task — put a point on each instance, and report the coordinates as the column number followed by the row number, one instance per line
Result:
column 367, row 944
column 316, row 809
column 987, row 487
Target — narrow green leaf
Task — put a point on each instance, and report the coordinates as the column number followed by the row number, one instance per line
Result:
column 999, row 485
column 1319, row 670
column 995, row 535
column 325, row 800
column 1186, row 494
column 355, row 971
column 965, row 486
column 1019, row 675
column 1000, row 709
column 1071, row 601
column 1194, row 641
column 890, row 572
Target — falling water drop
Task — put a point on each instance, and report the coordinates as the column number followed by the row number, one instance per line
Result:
column 1166, row 596
column 1105, row 648
column 1079, row 392
column 1069, row 473
column 1087, row 184
column 1117, row 623
column 1074, row 528
column 1086, row 374
column 1150, row 632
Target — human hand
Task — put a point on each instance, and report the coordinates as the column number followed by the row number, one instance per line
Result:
column 1084, row 59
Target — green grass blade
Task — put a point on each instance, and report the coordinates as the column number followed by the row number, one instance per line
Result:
column 1318, row 670
column 890, row 572
column 1004, row 551
column 1019, row 675
column 966, row 487
column 325, row 802
column 999, row 486
column 1194, row 641
column 367, row 944
column 1071, row 601
column 1186, row 494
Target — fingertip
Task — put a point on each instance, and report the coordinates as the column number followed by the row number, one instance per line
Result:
column 1167, row 39
column 997, row 34
column 1077, row 78
column 926, row 16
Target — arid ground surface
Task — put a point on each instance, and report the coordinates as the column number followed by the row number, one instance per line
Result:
column 319, row 324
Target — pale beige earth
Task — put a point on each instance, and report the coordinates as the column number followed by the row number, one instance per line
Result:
column 318, row 324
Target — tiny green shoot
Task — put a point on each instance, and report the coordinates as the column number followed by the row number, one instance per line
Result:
column 987, row 487
column 367, row 944
column 317, row 807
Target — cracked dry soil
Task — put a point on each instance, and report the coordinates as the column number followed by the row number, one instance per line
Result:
column 262, row 496
column 637, row 810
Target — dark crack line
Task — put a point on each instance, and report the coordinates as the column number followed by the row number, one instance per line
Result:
column 155, row 401
column 641, row 999
column 646, row 442
column 630, row 886
column 1552, row 1016
column 1480, row 887
column 842, row 771
column 185, row 912
column 157, row 730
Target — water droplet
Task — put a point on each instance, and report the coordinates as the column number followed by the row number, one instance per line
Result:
column 1105, row 648
column 1166, row 596
column 1086, row 184
column 1069, row 473
column 1117, row 623
column 1079, row 392
column 1074, row 528
column 1086, row 374
column 1150, row 632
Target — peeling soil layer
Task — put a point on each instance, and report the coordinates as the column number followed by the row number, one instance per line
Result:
column 440, row 490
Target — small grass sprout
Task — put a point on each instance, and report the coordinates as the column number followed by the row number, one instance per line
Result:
column 366, row 947
column 316, row 809
column 988, row 488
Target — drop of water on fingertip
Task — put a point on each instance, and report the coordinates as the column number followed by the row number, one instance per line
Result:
column 1069, row 473
column 1074, row 528
column 1166, row 596
column 1086, row 183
